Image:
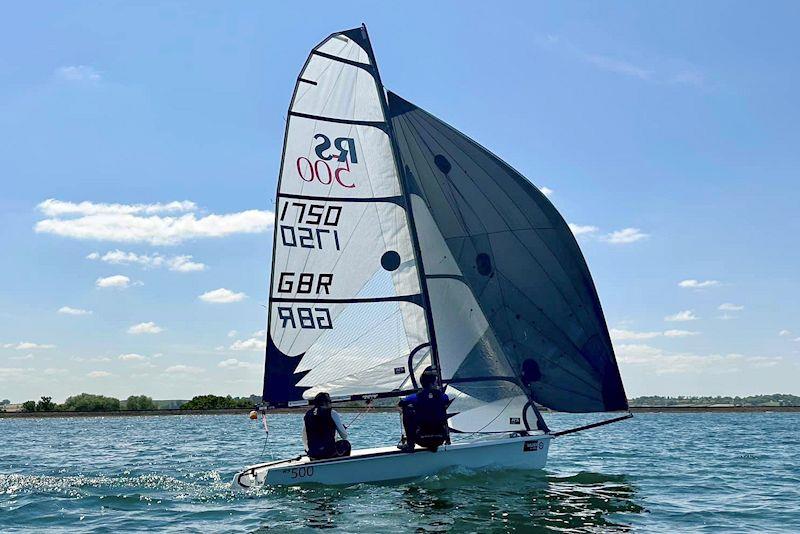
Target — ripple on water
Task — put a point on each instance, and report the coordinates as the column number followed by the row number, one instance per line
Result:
column 658, row 472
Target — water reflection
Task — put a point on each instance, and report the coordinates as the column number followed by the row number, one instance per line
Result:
column 527, row 502
column 458, row 502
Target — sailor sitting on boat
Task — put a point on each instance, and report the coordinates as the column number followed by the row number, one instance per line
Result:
column 320, row 428
column 425, row 415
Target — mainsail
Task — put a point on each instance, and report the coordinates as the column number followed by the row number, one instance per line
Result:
column 346, row 307
column 401, row 243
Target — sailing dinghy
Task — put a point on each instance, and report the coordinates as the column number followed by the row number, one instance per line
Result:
column 400, row 244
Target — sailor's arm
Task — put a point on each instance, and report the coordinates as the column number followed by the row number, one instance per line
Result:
column 305, row 438
column 339, row 426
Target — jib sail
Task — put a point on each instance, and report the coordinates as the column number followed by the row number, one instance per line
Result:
column 512, row 298
column 346, row 306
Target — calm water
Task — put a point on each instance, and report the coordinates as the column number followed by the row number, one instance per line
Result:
column 655, row 473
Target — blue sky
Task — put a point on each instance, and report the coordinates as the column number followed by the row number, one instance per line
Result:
column 666, row 132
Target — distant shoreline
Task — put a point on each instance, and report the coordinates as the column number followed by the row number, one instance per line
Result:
column 243, row 411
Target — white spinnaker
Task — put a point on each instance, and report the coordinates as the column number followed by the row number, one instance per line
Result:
column 496, row 416
column 342, row 234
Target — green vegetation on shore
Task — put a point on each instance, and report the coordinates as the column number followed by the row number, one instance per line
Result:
column 213, row 402
column 86, row 402
column 777, row 399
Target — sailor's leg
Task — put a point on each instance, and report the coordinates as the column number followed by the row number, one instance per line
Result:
column 410, row 425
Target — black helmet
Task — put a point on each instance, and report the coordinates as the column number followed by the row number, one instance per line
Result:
column 428, row 378
column 322, row 399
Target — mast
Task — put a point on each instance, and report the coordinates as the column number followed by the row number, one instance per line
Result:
column 409, row 211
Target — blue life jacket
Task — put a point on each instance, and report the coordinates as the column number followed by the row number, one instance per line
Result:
column 430, row 411
column 320, row 433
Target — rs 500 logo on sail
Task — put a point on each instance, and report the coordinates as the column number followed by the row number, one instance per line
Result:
column 341, row 152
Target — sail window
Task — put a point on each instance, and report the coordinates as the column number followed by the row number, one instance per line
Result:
column 442, row 163
column 483, row 262
column 390, row 260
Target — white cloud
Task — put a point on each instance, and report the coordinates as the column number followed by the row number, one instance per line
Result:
column 98, row 374
column 625, row 236
column 658, row 70
column 618, row 66
column 579, row 230
column 184, row 370
column 142, row 223
column 67, row 310
column 727, row 306
column 249, row 344
column 55, row 371
column 682, row 316
column 622, row 335
column 118, row 281
column 132, row 357
column 12, row 373
column 233, row 363
column 665, row 362
column 784, row 333
column 765, row 361
column 259, row 333
column 28, row 345
column 629, row 335
column 26, row 357
column 182, row 264
column 232, row 333
column 98, row 359
column 679, row 333
column 78, row 74
column 546, row 191
column 145, row 328
column 222, row 296
column 697, row 284
column 57, row 208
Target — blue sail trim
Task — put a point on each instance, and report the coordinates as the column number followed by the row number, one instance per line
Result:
column 280, row 380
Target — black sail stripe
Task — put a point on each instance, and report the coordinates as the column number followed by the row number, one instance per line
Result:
column 414, row 299
column 393, row 199
column 365, row 66
column 375, row 124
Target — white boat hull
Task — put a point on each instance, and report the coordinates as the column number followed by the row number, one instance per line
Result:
column 389, row 464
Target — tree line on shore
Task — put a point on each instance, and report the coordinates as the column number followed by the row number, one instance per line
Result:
column 777, row 399
column 87, row 402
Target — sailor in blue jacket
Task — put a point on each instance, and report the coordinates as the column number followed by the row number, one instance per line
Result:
column 425, row 415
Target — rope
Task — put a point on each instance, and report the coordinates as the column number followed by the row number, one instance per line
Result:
column 359, row 414
column 266, row 437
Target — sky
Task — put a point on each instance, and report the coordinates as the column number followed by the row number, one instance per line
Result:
column 140, row 145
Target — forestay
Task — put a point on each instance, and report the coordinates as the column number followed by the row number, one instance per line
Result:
column 512, row 298
column 346, row 306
